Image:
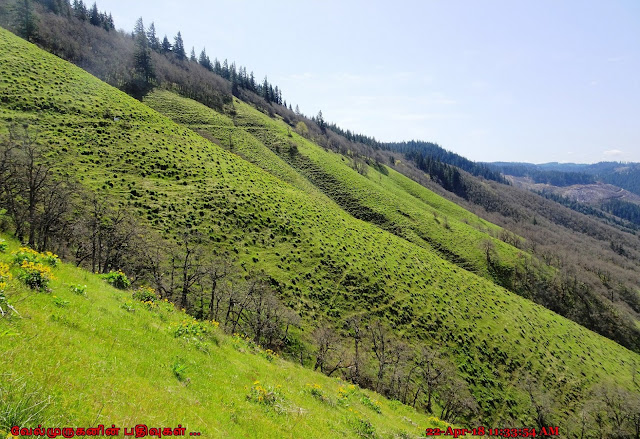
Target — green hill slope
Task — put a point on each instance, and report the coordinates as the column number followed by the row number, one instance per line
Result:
column 322, row 261
column 102, row 357
column 387, row 199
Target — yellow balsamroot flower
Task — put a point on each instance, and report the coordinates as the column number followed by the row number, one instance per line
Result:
column 4, row 270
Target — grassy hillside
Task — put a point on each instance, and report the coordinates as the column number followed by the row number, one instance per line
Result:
column 86, row 353
column 323, row 261
column 382, row 197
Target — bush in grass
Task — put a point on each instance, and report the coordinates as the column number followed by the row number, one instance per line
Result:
column 30, row 255
column 179, row 369
column 315, row 390
column 145, row 294
column 269, row 396
column 80, row 290
column 25, row 254
column 372, row 404
column 5, row 276
column 50, row 258
column 345, row 393
column 36, row 275
column 3, row 246
column 128, row 306
column 59, row 302
column 361, row 426
column 117, row 279
column 193, row 328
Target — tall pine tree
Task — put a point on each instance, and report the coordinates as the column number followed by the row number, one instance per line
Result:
column 26, row 20
column 178, row 47
column 154, row 42
column 142, row 55
column 166, row 45
column 204, row 60
column 80, row 10
column 94, row 15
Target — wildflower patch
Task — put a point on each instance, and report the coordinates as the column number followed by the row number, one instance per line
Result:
column 268, row 396
column 372, row 404
column 192, row 328
column 35, row 274
column 30, row 255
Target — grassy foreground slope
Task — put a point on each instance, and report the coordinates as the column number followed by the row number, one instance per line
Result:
column 324, row 261
column 104, row 358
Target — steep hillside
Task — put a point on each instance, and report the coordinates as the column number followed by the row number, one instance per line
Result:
column 128, row 362
column 322, row 261
column 390, row 200
column 609, row 308
column 382, row 196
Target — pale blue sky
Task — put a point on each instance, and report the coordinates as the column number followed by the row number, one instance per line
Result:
column 516, row 80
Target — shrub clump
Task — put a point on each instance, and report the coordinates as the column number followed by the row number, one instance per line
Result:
column 30, row 255
column 36, row 275
column 145, row 294
column 191, row 328
column 117, row 279
column 80, row 290
column 269, row 396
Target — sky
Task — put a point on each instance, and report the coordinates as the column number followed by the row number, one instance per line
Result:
column 493, row 80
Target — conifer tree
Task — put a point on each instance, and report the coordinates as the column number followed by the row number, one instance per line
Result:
column 320, row 121
column 80, row 10
column 265, row 90
column 143, row 63
column 178, row 47
column 154, row 42
column 204, row 60
column 26, row 20
column 94, row 15
column 192, row 57
column 166, row 45
column 59, row 7
column 233, row 74
column 225, row 69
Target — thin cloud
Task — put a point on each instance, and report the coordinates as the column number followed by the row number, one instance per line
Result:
column 613, row 152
